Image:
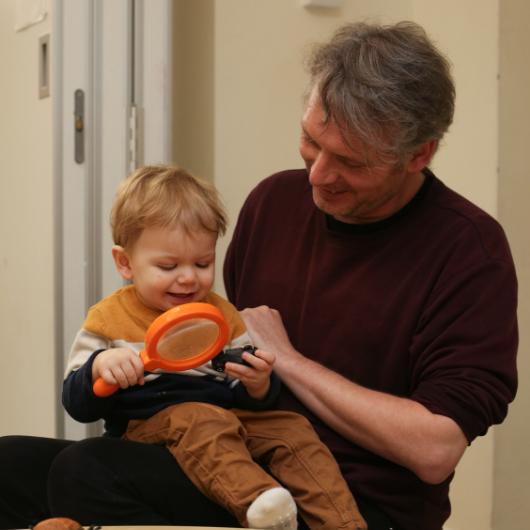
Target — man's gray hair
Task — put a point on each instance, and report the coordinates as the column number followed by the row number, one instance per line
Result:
column 387, row 85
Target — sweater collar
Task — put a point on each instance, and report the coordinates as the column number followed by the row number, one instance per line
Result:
column 334, row 225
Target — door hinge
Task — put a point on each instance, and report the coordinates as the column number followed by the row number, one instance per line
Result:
column 79, row 126
column 133, row 138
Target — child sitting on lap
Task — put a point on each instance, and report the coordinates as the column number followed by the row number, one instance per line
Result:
column 221, row 427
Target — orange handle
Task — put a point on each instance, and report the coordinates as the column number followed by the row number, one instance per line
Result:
column 103, row 389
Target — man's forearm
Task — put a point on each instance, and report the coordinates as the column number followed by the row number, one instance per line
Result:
column 398, row 429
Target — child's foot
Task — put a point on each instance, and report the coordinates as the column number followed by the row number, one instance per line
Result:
column 273, row 509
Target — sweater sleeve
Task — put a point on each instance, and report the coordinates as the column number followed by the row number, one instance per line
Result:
column 242, row 400
column 233, row 258
column 84, row 345
column 78, row 397
column 464, row 350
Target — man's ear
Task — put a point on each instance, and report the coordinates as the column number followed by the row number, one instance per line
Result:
column 122, row 262
column 422, row 156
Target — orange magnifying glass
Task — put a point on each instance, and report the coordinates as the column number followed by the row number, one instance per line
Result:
column 182, row 338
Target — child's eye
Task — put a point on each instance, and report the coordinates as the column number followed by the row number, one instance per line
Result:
column 203, row 265
column 168, row 267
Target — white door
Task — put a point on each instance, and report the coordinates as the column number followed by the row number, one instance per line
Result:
column 112, row 73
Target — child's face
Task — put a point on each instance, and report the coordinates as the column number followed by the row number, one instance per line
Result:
column 170, row 267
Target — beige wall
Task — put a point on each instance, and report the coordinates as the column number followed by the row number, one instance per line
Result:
column 512, row 457
column 468, row 33
column 238, row 123
column 194, row 83
column 258, row 81
column 27, row 393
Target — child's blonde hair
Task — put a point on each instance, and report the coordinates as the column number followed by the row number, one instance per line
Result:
column 164, row 196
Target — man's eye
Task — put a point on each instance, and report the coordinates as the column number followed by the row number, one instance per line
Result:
column 309, row 141
column 352, row 164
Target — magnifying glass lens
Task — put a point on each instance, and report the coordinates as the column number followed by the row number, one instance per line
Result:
column 180, row 339
column 187, row 339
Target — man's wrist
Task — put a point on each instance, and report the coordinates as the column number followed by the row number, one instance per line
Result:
column 291, row 362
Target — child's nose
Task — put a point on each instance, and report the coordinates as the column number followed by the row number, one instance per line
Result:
column 186, row 275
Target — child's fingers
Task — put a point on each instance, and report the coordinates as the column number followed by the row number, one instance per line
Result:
column 130, row 373
column 108, row 377
column 267, row 356
column 260, row 360
column 139, row 369
column 239, row 371
column 125, row 374
column 120, row 376
column 247, row 374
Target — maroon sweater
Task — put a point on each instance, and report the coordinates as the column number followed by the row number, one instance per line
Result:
column 420, row 305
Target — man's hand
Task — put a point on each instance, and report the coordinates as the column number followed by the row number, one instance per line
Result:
column 267, row 330
column 255, row 377
column 121, row 366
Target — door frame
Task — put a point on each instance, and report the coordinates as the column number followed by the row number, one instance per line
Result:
column 119, row 54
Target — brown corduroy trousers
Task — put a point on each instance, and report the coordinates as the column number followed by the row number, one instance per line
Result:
column 222, row 452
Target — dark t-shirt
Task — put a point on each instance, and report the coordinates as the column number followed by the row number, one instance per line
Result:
column 420, row 305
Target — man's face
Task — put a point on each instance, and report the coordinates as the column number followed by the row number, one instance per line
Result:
column 350, row 181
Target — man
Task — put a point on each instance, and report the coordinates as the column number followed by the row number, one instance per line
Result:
column 390, row 300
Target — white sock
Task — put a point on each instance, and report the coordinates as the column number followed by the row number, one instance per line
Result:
column 273, row 509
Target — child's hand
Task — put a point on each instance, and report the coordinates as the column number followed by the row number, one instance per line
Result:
column 255, row 377
column 121, row 366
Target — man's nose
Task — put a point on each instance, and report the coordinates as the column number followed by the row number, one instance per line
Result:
column 321, row 170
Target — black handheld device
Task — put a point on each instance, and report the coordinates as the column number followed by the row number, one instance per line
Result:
column 231, row 355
